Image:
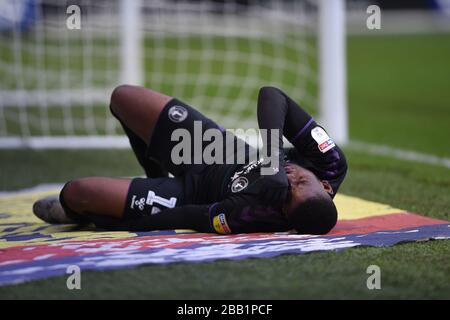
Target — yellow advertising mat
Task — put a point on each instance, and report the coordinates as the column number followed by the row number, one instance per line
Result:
column 31, row 249
column 19, row 226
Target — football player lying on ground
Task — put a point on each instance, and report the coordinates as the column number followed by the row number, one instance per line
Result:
column 212, row 198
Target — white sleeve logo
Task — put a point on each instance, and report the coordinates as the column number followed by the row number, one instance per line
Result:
column 324, row 142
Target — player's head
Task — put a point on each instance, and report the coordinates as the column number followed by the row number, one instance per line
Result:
column 309, row 206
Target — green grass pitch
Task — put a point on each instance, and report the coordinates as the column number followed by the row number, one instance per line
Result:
column 399, row 96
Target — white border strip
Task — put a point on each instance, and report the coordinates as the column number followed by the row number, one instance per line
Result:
column 392, row 152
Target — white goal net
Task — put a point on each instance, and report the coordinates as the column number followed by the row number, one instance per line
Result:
column 60, row 61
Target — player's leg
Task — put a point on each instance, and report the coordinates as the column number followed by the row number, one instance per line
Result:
column 110, row 200
column 153, row 117
column 95, row 195
column 139, row 108
column 78, row 198
column 113, row 203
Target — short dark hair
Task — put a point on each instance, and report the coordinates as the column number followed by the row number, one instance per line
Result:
column 316, row 215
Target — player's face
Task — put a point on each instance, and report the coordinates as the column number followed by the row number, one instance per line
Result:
column 303, row 184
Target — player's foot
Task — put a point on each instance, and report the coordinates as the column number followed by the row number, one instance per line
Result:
column 50, row 210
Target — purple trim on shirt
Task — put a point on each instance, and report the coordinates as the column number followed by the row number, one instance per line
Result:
column 303, row 129
column 211, row 206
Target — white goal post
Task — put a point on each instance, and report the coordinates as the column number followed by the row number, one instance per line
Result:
column 55, row 82
column 332, row 67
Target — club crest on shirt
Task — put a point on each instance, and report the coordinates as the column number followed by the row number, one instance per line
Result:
column 239, row 184
column 177, row 114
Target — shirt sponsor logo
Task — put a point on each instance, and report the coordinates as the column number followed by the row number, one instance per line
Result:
column 324, row 142
column 247, row 168
column 327, row 145
column 220, row 224
column 177, row 114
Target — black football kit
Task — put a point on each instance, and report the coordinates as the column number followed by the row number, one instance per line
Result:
column 232, row 196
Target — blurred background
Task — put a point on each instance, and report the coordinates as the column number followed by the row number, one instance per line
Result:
column 382, row 90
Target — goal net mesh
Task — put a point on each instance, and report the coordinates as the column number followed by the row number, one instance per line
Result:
column 56, row 79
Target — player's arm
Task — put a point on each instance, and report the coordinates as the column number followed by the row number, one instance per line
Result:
column 221, row 217
column 277, row 109
column 243, row 213
column 235, row 214
column 309, row 139
column 196, row 217
column 271, row 119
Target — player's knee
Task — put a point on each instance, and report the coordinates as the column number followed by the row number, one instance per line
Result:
column 268, row 91
column 119, row 97
column 76, row 195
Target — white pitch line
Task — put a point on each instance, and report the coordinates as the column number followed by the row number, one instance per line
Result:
column 392, row 152
column 120, row 142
